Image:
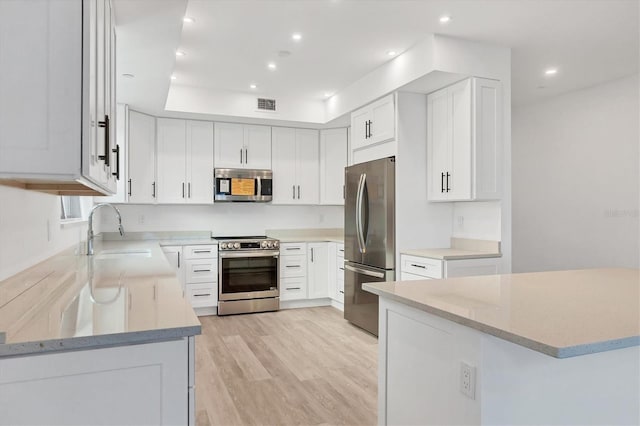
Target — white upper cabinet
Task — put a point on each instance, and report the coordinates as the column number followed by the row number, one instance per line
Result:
column 185, row 161
column 296, row 171
column 56, row 107
column 333, row 160
column 464, row 151
column 242, row 146
column 141, row 159
column 373, row 123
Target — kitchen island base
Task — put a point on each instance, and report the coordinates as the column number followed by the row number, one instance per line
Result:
column 420, row 356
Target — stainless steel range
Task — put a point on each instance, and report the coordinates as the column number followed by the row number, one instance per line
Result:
column 248, row 275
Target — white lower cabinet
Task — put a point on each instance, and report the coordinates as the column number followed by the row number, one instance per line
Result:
column 176, row 259
column 421, row 268
column 136, row 384
column 318, row 270
column 336, row 273
column 293, row 271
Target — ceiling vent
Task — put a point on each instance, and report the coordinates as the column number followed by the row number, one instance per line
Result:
column 266, row 104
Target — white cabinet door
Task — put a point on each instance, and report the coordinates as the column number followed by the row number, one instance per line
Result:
column 229, row 145
column 458, row 184
column 284, row 165
column 172, row 185
column 307, row 167
column 318, row 270
column 199, row 162
column 333, row 160
column 176, row 259
column 383, row 120
column 141, row 188
column 257, row 147
column 438, row 131
column 360, row 128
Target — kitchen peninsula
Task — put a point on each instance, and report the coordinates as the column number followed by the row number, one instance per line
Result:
column 102, row 339
column 534, row 348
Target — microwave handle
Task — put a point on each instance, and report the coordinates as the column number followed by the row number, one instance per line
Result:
column 259, row 186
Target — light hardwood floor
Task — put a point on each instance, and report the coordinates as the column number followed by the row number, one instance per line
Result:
column 297, row 366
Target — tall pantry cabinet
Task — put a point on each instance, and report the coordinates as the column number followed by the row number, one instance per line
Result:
column 57, row 109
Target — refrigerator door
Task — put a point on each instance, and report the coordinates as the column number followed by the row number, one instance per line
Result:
column 361, row 307
column 369, row 213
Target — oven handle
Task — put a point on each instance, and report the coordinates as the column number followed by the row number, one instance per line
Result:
column 269, row 253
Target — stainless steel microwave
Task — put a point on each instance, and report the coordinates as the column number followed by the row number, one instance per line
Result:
column 242, row 185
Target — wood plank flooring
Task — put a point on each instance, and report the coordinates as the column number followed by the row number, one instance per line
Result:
column 293, row 367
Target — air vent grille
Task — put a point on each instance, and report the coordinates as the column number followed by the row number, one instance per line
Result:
column 266, row 104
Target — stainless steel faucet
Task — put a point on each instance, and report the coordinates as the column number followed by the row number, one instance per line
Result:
column 90, row 230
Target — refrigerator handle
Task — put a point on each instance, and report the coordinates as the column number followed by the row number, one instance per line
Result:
column 364, row 271
column 361, row 244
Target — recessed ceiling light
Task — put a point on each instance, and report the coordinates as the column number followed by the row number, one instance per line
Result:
column 180, row 53
column 173, row 77
column 188, row 20
column 271, row 65
column 127, row 75
column 445, row 19
column 551, row 71
column 296, row 36
column 253, row 86
column 392, row 53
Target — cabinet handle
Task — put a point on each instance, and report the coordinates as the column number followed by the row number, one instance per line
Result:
column 240, row 155
column 182, row 189
column 419, row 266
column 344, row 192
column 117, row 152
column 105, row 124
column 153, row 192
column 342, row 291
column 292, row 266
column 342, row 269
column 202, row 251
column 366, row 129
column 298, row 192
column 202, row 295
column 293, row 187
column 129, row 188
column 311, row 254
column 178, row 259
column 292, row 288
column 370, row 123
column 246, row 156
column 189, row 189
column 202, row 270
column 448, row 175
column 292, row 248
column 441, row 182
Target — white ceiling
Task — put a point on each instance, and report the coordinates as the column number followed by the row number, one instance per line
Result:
column 230, row 42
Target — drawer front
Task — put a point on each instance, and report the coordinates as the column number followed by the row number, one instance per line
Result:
column 407, row 276
column 422, row 266
column 292, row 249
column 200, row 252
column 293, row 266
column 202, row 295
column 293, row 288
column 201, row 270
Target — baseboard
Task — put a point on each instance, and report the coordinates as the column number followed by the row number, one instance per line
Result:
column 202, row 312
column 337, row 305
column 305, row 303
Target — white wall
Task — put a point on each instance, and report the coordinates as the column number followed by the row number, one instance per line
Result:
column 576, row 181
column 30, row 229
column 223, row 218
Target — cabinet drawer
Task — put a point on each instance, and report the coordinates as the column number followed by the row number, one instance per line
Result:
column 200, row 252
column 202, row 295
column 291, row 249
column 293, row 288
column 293, row 266
column 201, row 270
column 407, row 276
column 422, row 266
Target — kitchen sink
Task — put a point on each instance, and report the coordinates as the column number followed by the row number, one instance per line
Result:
column 117, row 254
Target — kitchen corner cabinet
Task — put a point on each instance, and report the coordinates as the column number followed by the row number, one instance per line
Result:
column 333, row 160
column 58, row 96
column 464, row 144
column 185, row 161
column 318, row 270
column 424, row 268
column 296, row 171
column 242, row 146
column 373, row 123
column 141, row 158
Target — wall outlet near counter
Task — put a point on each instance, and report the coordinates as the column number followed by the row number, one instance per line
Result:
column 468, row 380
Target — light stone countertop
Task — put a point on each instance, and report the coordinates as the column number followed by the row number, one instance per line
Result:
column 461, row 248
column 335, row 235
column 558, row 313
column 73, row 301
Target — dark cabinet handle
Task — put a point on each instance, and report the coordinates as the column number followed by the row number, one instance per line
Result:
column 292, row 288
column 342, row 291
column 344, row 192
column 116, row 151
column 153, row 193
column 294, row 191
column 441, row 182
column 366, row 129
column 292, row 266
column 202, row 270
column 448, row 175
column 178, row 259
column 202, row 251
column 419, row 266
column 370, row 123
column 298, row 192
column 189, row 189
column 311, row 254
column 129, row 187
column 182, row 189
column 202, row 295
column 246, row 156
column 105, row 124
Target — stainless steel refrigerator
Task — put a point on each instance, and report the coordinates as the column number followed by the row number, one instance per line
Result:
column 369, row 237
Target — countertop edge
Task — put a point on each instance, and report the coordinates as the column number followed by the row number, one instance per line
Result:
column 451, row 257
column 97, row 342
column 553, row 351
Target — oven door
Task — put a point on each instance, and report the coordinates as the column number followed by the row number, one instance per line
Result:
column 248, row 275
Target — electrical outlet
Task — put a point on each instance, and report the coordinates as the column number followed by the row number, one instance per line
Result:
column 141, row 219
column 468, row 380
column 460, row 220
